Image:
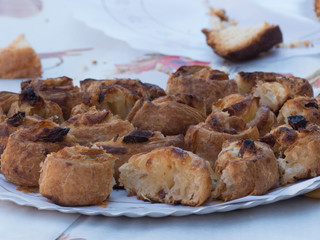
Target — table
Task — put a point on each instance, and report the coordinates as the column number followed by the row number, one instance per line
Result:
column 69, row 47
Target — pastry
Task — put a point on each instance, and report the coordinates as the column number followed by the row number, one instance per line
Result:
column 247, row 108
column 237, row 43
column 206, row 139
column 167, row 175
column 6, row 100
column 244, row 168
column 12, row 124
column 305, row 106
column 137, row 141
column 27, row 148
column 33, row 104
column 166, row 115
column 19, row 60
column 96, row 126
column 117, row 95
column 77, row 176
column 201, row 81
column 59, row 90
column 81, row 108
column 291, row 86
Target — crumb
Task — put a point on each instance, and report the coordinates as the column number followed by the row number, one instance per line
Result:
column 94, row 62
column 46, row 20
column 295, row 44
column 85, row 68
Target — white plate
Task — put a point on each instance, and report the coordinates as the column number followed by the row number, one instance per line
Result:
column 119, row 204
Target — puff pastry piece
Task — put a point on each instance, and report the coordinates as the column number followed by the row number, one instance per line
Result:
column 306, row 106
column 59, row 90
column 77, row 176
column 165, row 115
column 27, row 148
column 81, row 108
column 12, row 124
column 33, row 104
column 201, row 81
column 167, row 175
column 6, row 100
column 137, row 141
column 206, row 139
column 248, row 109
column 97, row 126
column 295, row 86
column 117, row 95
column 245, row 168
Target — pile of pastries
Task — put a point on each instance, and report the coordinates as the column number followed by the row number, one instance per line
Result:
column 205, row 137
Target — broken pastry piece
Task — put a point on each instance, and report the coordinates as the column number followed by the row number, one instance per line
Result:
column 27, row 148
column 32, row 104
column 59, row 90
column 77, row 176
column 305, row 106
column 118, row 95
column 169, row 115
column 247, row 108
column 201, row 81
column 6, row 100
column 137, row 141
column 206, row 139
column 19, row 60
column 167, row 175
column 96, row 126
column 245, row 168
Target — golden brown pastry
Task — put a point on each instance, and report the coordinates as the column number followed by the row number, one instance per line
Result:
column 167, row 175
column 77, row 176
column 81, row 108
column 245, row 168
column 33, row 104
column 248, row 109
column 201, row 81
column 6, row 100
column 306, row 106
column 19, row 60
column 290, row 86
column 59, row 90
column 12, row 124
column 302, row 158
column 97, row 126
column 27, row 148
column 117, row 95
column 237, row 43
column 137, row 141
column 166, row 115
column 206, row 139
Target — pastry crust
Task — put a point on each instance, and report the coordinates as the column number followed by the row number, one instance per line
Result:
column 247, row 108
column 206, row 139
column 19, row 60
column 294, row 86
column 33, row 104
column 117, row 95
column 81, row 108
column 301, row 159
column 245, row 168
column 168, row 117
column 27, row 148
column 6, row 100
column 167, row 175
column 237, row 43
column 59, row 90
column 137, row 141
column 77, row 176
column 14, row 123
column 201, row 81
column 306, row 106
column 97, row 126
